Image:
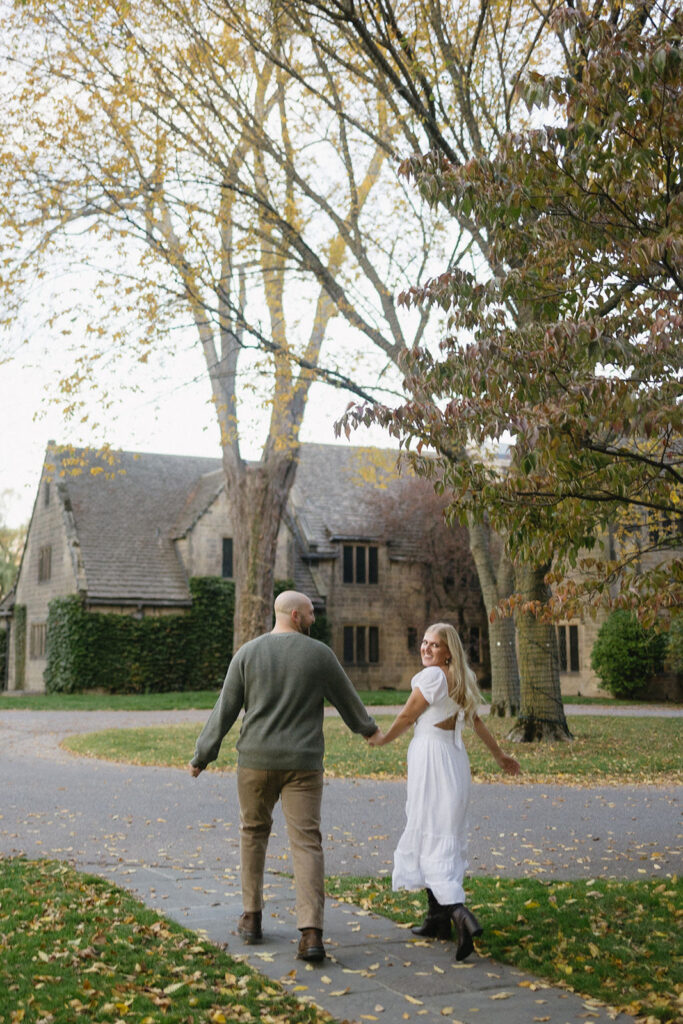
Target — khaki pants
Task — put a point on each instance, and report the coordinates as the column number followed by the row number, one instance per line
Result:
column 301, row 793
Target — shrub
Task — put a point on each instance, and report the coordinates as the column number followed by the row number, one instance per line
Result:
column 3, row 657
column 674, row 649
column 626, row 655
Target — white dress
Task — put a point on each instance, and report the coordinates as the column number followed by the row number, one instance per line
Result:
column 432, row 852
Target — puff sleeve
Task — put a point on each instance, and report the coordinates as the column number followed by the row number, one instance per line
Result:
column 432, row 684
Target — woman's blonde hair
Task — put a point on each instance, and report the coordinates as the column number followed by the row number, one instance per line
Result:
column 462, row 682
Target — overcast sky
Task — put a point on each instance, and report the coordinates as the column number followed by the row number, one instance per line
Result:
column 170, row 413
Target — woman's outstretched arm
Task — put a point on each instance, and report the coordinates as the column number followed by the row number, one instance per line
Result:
column 508, row 763
column 407, row 716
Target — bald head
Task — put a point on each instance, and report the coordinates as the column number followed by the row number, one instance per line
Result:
column 293, row 612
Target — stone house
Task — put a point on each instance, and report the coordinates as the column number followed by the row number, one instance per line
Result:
column 128, row 530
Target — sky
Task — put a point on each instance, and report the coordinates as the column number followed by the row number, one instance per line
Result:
column 168, row 413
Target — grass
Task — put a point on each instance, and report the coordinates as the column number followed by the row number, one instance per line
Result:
column 77, row 948
column 605, row 750
column 608, row 940
column 200, row 699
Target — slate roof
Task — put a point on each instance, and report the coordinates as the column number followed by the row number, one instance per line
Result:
column 128, row 508
column 338, row 495
column 125, row 513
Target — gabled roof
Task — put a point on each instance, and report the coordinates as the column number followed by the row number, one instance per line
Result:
column 345, row 493
column 126, row 507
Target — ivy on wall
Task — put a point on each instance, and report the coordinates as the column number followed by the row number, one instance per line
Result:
column 3, row 657
column 19, row 626
column 121, row 654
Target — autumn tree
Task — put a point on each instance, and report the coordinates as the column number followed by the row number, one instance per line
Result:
column 451, row 73
column 448, row 74
column 573, row 350
column 589, row 244
column 200, row 187
column 12, row 540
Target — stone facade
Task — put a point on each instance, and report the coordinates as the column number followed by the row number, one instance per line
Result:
column 129, row 541
column 49, row 569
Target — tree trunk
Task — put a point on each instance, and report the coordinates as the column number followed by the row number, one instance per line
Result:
column 504, row 668
column 258, row 495
column 541, row 715
column 497, row 583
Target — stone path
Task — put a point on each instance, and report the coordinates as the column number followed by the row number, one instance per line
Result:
column 173, row 841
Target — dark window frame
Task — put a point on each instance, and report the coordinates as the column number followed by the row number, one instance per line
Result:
column 45, row 563
column 37, row 646
column 568, row 648
column 360, row 645
column 227, row 559
column 360, row 564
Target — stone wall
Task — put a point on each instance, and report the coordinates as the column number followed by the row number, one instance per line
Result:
column 50, row 528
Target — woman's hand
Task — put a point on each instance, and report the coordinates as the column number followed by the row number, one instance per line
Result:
column 509, row 764
column 377, row 739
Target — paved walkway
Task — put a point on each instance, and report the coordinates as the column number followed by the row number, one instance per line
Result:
column 173, row 841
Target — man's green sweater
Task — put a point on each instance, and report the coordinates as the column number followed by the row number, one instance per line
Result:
column 281, row 680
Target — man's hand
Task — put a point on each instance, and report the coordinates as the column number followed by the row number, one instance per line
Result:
column 377, row 739
column 195, row 771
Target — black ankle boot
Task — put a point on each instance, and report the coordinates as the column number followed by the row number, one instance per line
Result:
column 437, row 923
column 467, row 928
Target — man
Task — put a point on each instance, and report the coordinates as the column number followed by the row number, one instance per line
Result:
column 282, row 679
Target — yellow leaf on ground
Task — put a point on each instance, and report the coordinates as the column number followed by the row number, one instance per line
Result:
column 501, row 995
column 411, row 999
column 173, row 988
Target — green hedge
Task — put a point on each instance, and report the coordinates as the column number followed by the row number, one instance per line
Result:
column 122, row 654
column 3, row 658
column 19, row 627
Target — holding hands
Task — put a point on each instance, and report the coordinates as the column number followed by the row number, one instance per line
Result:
column 377, row 739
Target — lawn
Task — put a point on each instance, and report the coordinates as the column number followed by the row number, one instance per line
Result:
column 605, row 750
column 77, row 948
column 201, row 699
column 605, row 939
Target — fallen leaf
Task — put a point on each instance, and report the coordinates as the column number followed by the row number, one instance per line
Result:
column 411, row 999
column 501, row 995
column 341, row 991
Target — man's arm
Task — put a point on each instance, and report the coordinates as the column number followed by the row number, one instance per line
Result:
column 342, row 694
column 221, row 719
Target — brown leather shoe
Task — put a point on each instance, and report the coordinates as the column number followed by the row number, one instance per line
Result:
column 249, row 927
column 311, row 945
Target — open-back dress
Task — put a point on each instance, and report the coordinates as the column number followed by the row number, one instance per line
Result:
column 432, row 852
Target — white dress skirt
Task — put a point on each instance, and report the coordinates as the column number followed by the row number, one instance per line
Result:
column 432, row 852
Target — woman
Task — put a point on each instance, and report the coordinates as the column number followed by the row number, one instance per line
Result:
column 432, row 852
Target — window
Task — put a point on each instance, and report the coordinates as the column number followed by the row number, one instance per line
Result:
column 360, row 563
column 361, row 645
column 226, row 570
column 411, row 638
column 473, row 651
column 46, row 493
column 568, row 648
column 663, row 528
column 38, row 640
column 44, row 564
